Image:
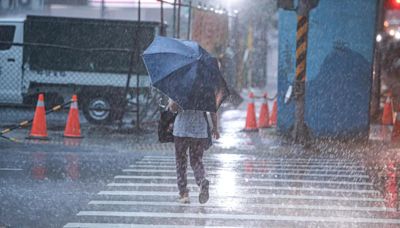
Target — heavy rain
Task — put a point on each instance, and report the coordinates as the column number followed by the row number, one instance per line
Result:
column 199, row 113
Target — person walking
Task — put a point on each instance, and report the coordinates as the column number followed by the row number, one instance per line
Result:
column 191, row 133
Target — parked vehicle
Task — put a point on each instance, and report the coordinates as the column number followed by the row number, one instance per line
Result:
column 60, row 56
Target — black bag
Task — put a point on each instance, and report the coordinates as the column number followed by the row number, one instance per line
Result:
column 166, row 126
column 209, row 143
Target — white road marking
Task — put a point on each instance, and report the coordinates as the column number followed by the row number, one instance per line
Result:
column 246, row 196
column 323, row 168
column 238, row 217
column 256, row 159
column 252, row 187
column 242, row 169
column 122, row 225
column 11, row 169
column 267, row 165
column 247, row 180
column 221, row 172
column 306, row 162
column 257, row 206
column 260, row 162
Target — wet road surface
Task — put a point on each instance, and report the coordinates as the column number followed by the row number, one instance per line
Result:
column 246, row 191
column 256, row 181
column 45, row 185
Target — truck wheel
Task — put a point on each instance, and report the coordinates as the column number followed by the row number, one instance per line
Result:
column 98, row 109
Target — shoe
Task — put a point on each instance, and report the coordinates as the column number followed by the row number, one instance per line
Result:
column 184, row 198
column 204, row 195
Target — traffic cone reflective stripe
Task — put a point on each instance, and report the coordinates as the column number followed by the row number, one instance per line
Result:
column 74, row 105
column 263, row 121
column 251, row 122
column 387, row 117
column 274, row 114
column 73, row 126
column 39, row 127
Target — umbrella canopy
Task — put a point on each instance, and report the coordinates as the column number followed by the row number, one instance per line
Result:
column 186, row 73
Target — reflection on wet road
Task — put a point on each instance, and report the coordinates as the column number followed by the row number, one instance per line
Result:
column 245, row 191
column 232, row 135
column 44, row 186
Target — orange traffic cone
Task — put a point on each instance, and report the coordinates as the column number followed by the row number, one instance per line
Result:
column 396, row 129
column 73, row 126
column 251, row 122
column 263, row 121
column 387, row 117
column 39, row 127
column 274, row 114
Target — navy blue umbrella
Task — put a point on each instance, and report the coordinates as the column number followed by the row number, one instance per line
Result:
column 186, row 73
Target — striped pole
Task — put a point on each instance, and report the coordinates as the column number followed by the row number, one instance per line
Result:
column 300, row 134
column 301, row 48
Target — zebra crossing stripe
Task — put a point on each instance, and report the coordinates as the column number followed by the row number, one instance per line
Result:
column 228, row 157
column 142, row 171
column 260, row 162
column 238, row 217
column 255, row 159
column 258, row 206
column 248, row 180
column 246, row 196
column 122, row 225
column 258, row 165
column 254, row 168
column 251, row 172
column 255, row 163
column 242, row 167
column 252, row 187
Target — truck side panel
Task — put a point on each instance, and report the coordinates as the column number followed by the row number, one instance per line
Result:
column 10, row 63
column 107, row 40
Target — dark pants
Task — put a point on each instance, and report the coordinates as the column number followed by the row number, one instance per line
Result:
column 196, row 150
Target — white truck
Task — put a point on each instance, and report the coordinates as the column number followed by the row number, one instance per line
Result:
column 60, row 56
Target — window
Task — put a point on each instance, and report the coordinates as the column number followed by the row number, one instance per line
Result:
column 7, row 36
